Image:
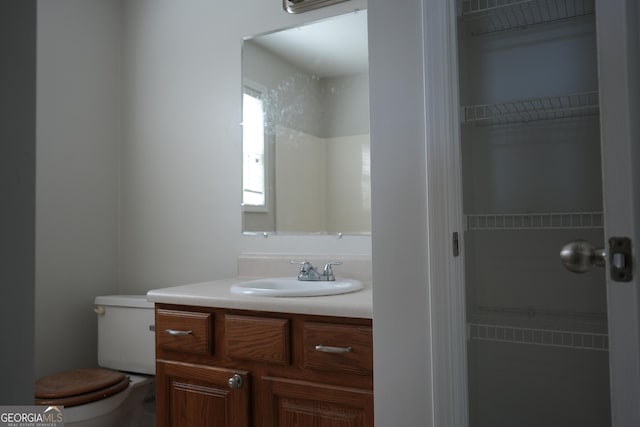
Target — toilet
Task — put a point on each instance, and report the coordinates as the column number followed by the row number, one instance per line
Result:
column 117, row 393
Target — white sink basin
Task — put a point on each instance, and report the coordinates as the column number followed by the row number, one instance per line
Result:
column 292, row 287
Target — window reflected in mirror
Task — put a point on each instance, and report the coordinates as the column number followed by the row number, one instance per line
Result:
column 254, row 189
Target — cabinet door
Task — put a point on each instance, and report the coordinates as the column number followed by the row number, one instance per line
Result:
column 193, row 395
column 289, row 403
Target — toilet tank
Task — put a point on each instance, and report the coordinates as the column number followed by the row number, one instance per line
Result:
column 126, row 337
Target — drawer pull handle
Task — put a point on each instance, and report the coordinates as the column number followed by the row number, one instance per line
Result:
column 175, row 333
column 329, row 349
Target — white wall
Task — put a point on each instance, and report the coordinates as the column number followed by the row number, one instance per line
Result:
column 401, row 297
column 180, row 157
column 349, row 183
column 300, row 186
column 346, row 105
column 78, row 136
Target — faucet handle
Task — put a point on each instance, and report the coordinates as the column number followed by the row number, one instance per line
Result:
column 327, row 272
column 307, row 271
column 304, row 265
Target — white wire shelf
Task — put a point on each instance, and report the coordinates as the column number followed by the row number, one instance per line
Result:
column 490, row 16
column 533, row 109
column 526, row 221
column 544, row 337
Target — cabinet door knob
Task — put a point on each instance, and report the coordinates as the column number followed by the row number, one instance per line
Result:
column 235, row 381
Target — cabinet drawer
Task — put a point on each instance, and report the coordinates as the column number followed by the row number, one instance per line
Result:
column 257, row 338
column 184, row 331
column 343, row 348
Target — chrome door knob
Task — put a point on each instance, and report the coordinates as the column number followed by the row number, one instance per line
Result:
column 579, row 256
column 235, row 381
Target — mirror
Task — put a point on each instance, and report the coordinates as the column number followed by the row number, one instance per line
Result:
column 306, row 158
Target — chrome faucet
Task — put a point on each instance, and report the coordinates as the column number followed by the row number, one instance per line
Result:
column 308, row 273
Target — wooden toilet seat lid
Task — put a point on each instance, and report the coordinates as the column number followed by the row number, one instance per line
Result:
column 79, row 386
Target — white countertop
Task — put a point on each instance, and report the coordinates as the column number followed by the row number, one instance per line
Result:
column 217, row 294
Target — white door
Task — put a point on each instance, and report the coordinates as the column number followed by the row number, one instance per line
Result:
column 619, row 74
column 550, row 97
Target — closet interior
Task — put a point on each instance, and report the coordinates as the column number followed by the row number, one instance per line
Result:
column 537, row 333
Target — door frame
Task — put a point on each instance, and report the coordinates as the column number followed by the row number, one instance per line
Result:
column 618, row 39
column 446, row 217
column 617, row 25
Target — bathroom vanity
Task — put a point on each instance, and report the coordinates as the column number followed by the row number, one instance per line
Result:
column 236, row 360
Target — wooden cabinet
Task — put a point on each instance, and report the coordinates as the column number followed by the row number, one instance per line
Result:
column 292, row 403
column 198, row 395
column 223, row 367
